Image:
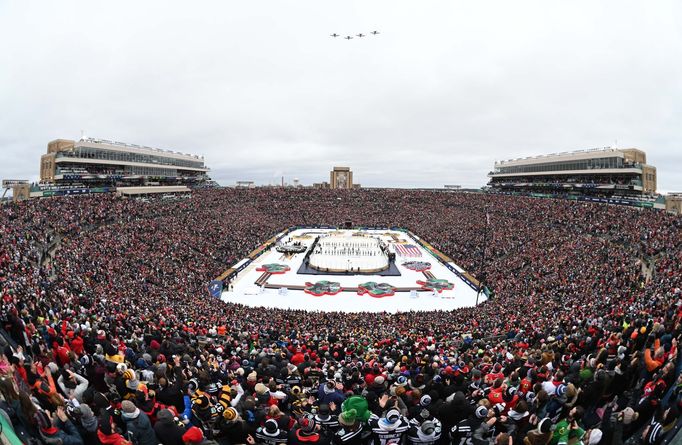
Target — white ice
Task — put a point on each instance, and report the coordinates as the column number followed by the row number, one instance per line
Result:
column 244, row 290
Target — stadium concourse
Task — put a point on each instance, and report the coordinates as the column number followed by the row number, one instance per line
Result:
column 112, row 338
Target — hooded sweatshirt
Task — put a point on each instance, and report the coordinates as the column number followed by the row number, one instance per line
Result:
column 87, row 426
column 139, row 428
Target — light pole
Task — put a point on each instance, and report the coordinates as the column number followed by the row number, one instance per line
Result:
column 482, row 262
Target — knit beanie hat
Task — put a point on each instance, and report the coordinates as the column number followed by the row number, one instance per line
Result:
column 193, row 435
column 307, row 424
column 629, row 415
column 428, row 427
column 230, row 414
column 271, row 428
column 595, row 437
column 621, row 351
column 360, row 405
column 348, row 418
column 132, row 384
column 165, row 414
column 393, row 415
column 128, row 407
column 545, row 425
column 88, row 419
column 100, row 401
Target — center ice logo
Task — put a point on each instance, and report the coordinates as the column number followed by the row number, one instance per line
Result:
column 273, row 268
column 323, row 287
column 375, row 289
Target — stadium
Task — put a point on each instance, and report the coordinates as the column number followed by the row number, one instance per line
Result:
column 584, row 311
column 377, row 222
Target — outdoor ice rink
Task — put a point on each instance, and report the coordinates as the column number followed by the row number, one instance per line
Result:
column 246, row 291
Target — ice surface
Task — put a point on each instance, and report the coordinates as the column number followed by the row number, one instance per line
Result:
column 245, row 291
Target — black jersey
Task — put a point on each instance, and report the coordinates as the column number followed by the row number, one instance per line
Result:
column 329, row 423
column 345, row 436
column 385, row 434
column 415, row 436
column 463, row 432
column 268, row 439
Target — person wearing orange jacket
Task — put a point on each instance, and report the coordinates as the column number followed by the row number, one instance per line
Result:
column 655, row 362
column 44, row 385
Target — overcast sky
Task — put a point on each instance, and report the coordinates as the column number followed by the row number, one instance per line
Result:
column 261, row 90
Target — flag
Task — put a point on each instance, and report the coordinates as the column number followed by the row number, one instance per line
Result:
column 215, row 288
column 408, row 250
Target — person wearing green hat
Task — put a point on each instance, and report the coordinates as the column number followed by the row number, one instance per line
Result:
column 351, row 431
column 360, row 405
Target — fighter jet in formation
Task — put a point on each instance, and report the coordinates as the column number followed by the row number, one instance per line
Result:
column 350, row 37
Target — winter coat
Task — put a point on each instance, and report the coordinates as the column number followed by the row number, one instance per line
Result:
column 328, row 397
column 171, row 395
column 168, row 432
column 111, row 439
column 139, row 428
column 65, row 434
column 89, row 433
column 231, row 432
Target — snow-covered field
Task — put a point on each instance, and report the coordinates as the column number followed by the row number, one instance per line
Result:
column 245, row 291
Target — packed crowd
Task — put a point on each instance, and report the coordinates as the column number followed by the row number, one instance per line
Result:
column 113, row 339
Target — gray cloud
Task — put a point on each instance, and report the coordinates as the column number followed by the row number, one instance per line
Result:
column 261, row 91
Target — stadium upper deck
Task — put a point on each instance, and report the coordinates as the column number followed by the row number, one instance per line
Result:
column 99, row 162
column 600, row 171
